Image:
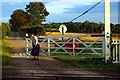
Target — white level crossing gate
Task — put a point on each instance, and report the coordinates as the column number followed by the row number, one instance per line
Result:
column 75, row 45
column 72, row 45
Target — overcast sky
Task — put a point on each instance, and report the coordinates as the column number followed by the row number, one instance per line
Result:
column 63, row 10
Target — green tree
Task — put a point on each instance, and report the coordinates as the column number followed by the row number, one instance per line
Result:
column 85, row 26
column 37, row 12
column 19, row 18
column 39, row 30
column 72, row 27
column 101, row 27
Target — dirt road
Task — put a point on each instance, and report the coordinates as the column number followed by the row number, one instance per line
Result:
column 18, row 43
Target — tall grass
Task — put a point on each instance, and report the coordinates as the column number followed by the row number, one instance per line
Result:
column 87, row 61
column 4, row 52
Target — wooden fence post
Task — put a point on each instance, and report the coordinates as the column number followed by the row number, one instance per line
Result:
column 73, row 42
column 103, row 45
column 48, row 46
column 119, row 49
column 27, row 45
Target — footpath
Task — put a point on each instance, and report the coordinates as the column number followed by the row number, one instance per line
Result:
column 49, row 68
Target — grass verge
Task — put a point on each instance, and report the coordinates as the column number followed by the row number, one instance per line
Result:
column 87, row 61
column 4, row 53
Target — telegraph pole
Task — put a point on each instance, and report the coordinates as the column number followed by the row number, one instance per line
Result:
column 107, row 30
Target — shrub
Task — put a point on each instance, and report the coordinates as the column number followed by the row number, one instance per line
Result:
column 5, row 30
column 4, row 53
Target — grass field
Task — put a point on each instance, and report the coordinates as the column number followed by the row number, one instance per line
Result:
column 114, row 36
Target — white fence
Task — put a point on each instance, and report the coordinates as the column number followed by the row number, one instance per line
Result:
column 116, row 51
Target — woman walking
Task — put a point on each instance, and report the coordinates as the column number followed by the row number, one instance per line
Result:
column 35, row 47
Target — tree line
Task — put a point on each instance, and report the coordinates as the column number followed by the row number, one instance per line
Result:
column 82, row 27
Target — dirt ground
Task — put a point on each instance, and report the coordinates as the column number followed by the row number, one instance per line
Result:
column 20, row 66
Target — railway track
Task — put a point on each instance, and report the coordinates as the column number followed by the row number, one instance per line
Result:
column 10, row 73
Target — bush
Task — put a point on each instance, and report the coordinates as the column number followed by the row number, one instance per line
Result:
column 4, row 53
column 5, row 30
